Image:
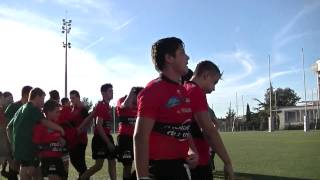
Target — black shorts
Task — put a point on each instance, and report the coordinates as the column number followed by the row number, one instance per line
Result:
column 100, row 149
column 169, row 169
column 125, row 149
column 53, row 166
column 35, row 163
column 202, row 173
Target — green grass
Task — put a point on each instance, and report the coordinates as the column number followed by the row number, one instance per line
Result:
column 259, row 155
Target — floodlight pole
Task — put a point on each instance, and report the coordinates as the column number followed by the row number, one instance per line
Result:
column 66, row 27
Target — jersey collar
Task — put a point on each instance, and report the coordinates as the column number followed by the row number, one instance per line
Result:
column 165, row 78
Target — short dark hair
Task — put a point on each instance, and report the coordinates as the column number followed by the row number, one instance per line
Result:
column 25, row 91
column 162, row 47
column 64, row 100
column 50, row 105
column 36, row 92
column 207, row 66
column 137, row 90
column 7, row 94
column 105, row 87
column 75, row 92
column 187, row 76
column 1, row 93
column 54, row 95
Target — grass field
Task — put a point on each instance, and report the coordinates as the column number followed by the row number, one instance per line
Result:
column 288, row 155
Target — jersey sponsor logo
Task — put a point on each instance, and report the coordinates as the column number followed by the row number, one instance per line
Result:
column 178, row 131
column 52, row 168
column 127, row 155
column 101, row 153
column 173, row 101
column 188, row 100
column 186, row 110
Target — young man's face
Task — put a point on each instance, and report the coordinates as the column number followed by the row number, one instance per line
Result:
column 67, row 104
column 74, row 99
column 39, row 100
column 53, row 115
column 107, row 95
column 8, row 100
column 210, row 81
column 180, row 62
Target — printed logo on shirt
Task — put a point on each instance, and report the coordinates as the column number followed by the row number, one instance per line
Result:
column 186, row 110
column 173, row 101
column 188, row 100
column 52, row 168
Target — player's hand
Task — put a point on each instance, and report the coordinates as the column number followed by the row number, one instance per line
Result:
column 62, row 142
column 192, row 160
column 62, row 132
column 78, row 130
column 228, row 172
column 111, row 147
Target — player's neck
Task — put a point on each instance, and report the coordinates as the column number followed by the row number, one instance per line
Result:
column 106, row 101
column 34, row 103
column 197, row 81
column 24, row 100
column 172, row 75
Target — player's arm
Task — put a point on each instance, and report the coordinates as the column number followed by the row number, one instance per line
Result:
column 9, row 130
column 202, row 119
column 103, row 134
column 52, row 125
column 141, row 136
column 86, row 121
column 128, row 102
column 193, row 155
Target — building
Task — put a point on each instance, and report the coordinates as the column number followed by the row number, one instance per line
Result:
column 291, row 117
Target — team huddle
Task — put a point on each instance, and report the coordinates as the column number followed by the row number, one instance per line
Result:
column 165, row 129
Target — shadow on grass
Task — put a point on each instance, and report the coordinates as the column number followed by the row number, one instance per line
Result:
column 246, row 176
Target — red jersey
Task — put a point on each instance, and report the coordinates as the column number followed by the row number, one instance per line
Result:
column 69, row 128
column 103, row 111
column 166, row 102
column 198, row 104
column 78, row 114
column 127, row 118
column 47, row 142
column 65, row 115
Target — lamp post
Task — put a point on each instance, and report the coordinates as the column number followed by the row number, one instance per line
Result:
column 66, row 27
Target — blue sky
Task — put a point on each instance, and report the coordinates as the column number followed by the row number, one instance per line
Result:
column 111, row 42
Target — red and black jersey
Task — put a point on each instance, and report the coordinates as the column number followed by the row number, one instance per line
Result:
column 68, row 126
column 127, row 118
column 47, row 142
column 65, row 116
column 198, row 104
column 103, row 111
column 77, row 115
column 166, row 102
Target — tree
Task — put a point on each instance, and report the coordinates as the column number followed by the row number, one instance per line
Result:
column 87, row 103
column 284, row 97
column 248, row 116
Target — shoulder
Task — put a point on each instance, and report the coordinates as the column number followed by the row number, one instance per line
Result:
column 153, row 87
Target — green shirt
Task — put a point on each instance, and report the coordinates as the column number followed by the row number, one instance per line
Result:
column 23, row 122
column 12, row 109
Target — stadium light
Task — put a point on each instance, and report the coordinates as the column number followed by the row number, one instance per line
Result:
column 66, row 27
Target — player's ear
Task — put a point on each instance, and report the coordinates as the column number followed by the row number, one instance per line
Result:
column 168, row 58
column 205, row 75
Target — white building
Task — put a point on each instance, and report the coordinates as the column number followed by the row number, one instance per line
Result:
column 291, row 117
